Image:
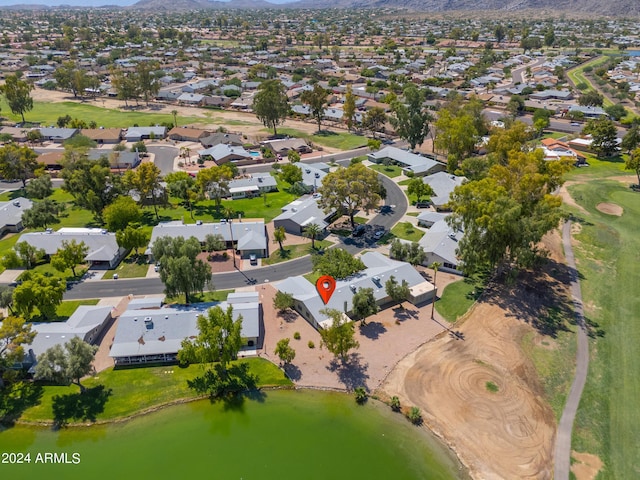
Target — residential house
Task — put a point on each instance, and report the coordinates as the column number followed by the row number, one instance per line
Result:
column 135, row 134
column 556, row 150
column 11, row 214
column 246, row 237
column 103, row 136
column 57, row 135
column 312, row 174
column 302, row 212
column 410, row 162
column 104, row 251
column 283, row 146
column 185, row 134
column 379, row 269
column 217, row 138
column 252, row 185
column 222, row 153
column 155, row 335
column 443, row 184
column 440, row 244
column 17, row 134
column 588, row 111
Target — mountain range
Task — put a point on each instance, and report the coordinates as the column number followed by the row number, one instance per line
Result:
column 612, row 7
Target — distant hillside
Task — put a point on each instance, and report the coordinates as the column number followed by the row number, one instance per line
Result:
column 611, row 7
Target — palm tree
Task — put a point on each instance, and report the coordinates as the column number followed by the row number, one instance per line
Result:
column 312, row 231
column 435, row 266
column 279, row 236
column 228, row 212
column 175, row 117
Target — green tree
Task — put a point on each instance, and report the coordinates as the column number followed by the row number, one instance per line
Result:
column 6, row 299
column 279, row 236
column 271, row 104
column 515, row 106
column 541, row 119
column 349, row 190
column 121, row 213
column 183, row 186
column 125, row 84
column 374, row 144
column 411, row 119
column 145, row 180
column 455, row 134
column 182, row 271
column 633, row 163
column 17, row 163
column 148, row 84
column 41, row 293
column 72, row 77
column 290, row 173
column 604, row 136
column 214, row 181
column 312, row 231
column 284, row 351
column 40, row 187
column 317, row 101
column 34, row 136
column 132, row 238
column 69, row 255
column 283, row 301
column 219, row 339
column 293, row 156
column 89, row 181
column 631, row 139
column 616, row 111
column 374, row 120
column 349, row 108
column 41, row 214
column 361, row 395
column 591, row 98
column 29, row 254
column 398, row 292
column 17, row 93
column 214, row 243
column 418, row 188
column 67, row 365
column 15, row 332
column 364, row 304
column 505, row 215
column 339, row 337
column 337, row 263
column 504, row 141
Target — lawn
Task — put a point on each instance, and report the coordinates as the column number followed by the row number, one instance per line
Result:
column 66, row 308
column 45, row 268
column 606, row 249
column 339, row 140
column 214, row 296
column 577, row 75
column 390, row 171
column 407, row 231
column 47, row 113
column 134, row 390
column 130, row 267
column 458, row 297
column 294, row 251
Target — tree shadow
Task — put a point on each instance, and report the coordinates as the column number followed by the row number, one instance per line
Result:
column 372, row 330
column 401, row 313
column 293, row 372
column 80, row 406
column 352, row 373
column 223, row 385
column 16, row 398
column 288, row 316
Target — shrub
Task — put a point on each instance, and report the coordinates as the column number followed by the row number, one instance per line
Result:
column 311, row 344
column 361, row 395
column 395, row 404
column 415, row 416
column 296, row 335
column 491, row 387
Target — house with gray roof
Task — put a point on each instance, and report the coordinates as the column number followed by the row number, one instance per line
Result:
column 410, row 162
column 223, row 153
column 247, row 237
column 217, row 138
column 588, row 111
column 443, row 184
column 57, row 135
column 301, row 213
column 252, row 185
column 379, row 270
column 87, row 322
column 440, row 243
column 283, row 146
column 312, row 174
column 155, row 335
column 104, row 251
column 428, row 218
column 11, row 214
column 135, row 134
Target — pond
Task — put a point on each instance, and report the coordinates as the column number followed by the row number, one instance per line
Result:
column 280, row 435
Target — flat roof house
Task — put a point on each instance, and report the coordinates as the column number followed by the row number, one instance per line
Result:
column 155, row 335
column 379, row 269
column 247, row 237
column 410, row 162
column 301, row 213
column 11, row 214
column 104, row 251
column 254, row 185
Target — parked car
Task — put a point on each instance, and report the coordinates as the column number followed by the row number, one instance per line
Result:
column 422, row 204
column 379, row 234
column 253, row 259
column 359, row 230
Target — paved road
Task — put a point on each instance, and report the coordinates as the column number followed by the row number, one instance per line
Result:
column 396, row 203
column 562, row 459
column 164, row 158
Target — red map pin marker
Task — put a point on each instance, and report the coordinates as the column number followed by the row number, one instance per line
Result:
column 325, row 286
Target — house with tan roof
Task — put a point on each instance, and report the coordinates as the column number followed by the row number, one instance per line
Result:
column 103, row 136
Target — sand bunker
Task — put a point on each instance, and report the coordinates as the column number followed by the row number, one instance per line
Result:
column 610, row 209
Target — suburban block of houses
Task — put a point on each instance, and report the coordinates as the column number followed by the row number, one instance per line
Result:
column 379, row 269
column 246, row 237
column 151, row 333
column 104, row 251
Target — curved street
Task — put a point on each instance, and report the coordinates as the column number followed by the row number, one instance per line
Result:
column 396, row 203
column 562, row 460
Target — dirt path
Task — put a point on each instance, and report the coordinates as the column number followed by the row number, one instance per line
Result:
column 562, row 459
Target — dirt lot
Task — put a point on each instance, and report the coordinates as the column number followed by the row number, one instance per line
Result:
column 481, row 394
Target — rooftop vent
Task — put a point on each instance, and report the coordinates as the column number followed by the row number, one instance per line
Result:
column 148, row 322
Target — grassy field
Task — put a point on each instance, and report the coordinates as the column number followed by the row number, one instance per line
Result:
column 130, row 267
column 339, row 140
column 214, row 296
column 390, row 171
column 458, row 297
column 66, row 308
column 407, row 231
column 578, row 76
column 606, row 249
column 133, row 390
column 47, row 113
column 294, row 251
